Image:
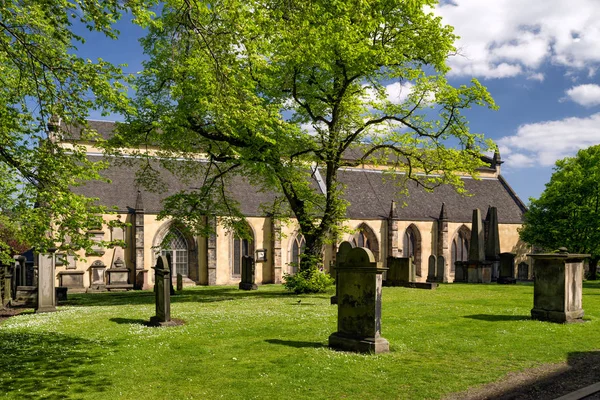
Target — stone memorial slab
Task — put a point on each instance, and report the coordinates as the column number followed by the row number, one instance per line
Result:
column 46, row 298
column 248, row 274
column 557, row 289
column 359, row 304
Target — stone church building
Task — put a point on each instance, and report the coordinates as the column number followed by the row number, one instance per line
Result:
column 431, row 223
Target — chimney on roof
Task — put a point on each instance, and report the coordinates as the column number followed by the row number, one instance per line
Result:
column 54, row 127
column 139, row 202
column 496, row 161
column 443, row 215
column 393, row 212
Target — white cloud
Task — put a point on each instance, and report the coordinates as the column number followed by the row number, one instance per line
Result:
column 505, row 38
column 585, row 95
column 398, row 92
column 537, row 77
column 543, row 143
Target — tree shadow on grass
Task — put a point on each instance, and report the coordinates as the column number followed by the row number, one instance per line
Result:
column 49, row 366
column 295, row 343
column 209, row 295
column 549, row 381
column 498, row 318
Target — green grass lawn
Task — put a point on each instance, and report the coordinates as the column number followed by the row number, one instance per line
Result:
column 264, row 344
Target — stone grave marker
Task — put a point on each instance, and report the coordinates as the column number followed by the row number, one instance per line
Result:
column 340, row 258
column 162, row 283
column 46, row 297
column 248, row 274
column 359, row 304
column 557, row 289
column 507, row 268
column 431, row 271
column 441, row 264
column 179, row 282
column 523, row 271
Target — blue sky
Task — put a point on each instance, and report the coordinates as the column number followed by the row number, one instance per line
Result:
column 538, row 58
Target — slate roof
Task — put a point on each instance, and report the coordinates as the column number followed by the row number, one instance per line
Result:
column 104, row 128
column 369, row 195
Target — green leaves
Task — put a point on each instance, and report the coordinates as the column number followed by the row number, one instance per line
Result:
column 46, row 88
column 268, row 89
column 567, row 214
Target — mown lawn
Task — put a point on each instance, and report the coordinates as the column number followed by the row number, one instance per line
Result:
column 265, row 344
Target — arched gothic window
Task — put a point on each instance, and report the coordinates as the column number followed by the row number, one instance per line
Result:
column 298, row 245
column 411, row 247
column 177, row 249
column 460, row 247
column 241, row 247
column 365, row 237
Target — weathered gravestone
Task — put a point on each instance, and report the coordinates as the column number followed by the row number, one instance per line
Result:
column 507, row 268
column 557, row 289
column 248, row 274
column 441, row 263
column 5, row 286
column 340, row 258
column 359, row 304
column 478, row 269
column 492, row 241
column 46, row 290
column 400, row 270
column 431, row 270
column 460, row 271
column 523, row 271
column 179, row 282
column 162, row 291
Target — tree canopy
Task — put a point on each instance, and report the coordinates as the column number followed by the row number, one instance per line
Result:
column 274, row 89
column 44, row 85
column 567, row 214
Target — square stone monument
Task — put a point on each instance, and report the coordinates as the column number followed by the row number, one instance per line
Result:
column 557, row 289
column 248, row 274
column 359, row 304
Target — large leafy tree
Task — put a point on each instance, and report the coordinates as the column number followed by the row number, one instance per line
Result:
column 567, row 214
column 44, row 85
column 272, row 89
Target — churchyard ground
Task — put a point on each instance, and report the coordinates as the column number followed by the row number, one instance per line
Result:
column 268, row 344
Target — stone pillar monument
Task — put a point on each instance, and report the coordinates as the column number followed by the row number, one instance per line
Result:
column 276, row 245
column 46, row 298
column 492, row 243
column 392, row 232
column 248, row 274
column 140, row 275
column 478, row 270
column 557, row 289
column 359, row 304
column 211, row 251
column 162, row 290
column 443, row 273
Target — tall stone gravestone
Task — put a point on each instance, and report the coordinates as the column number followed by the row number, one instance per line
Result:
column 46, row 298
column 340, row 258
column 162, row 290
column 248, row 274
column 359, row 304
column 557, row 289
column 441, row 264
column 507, row 268
column 431, row 270
column 492, row 243
column 478, row 270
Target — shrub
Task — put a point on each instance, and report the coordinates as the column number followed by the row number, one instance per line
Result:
column 308, row 281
